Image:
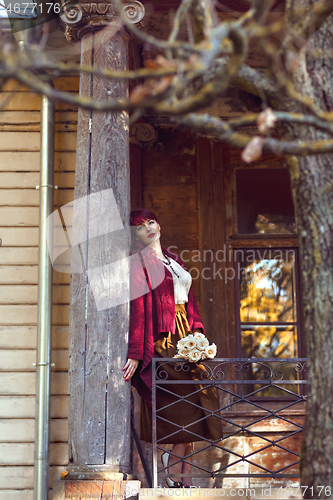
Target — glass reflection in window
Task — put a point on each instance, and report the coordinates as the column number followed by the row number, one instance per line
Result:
column 269, row 341
column 267, row 286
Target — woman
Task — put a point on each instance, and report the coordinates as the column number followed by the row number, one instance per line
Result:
column 163, row 310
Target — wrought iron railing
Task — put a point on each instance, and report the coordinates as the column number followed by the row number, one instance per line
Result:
column 261, row 400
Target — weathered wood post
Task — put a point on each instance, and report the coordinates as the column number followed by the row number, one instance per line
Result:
column 99, row 404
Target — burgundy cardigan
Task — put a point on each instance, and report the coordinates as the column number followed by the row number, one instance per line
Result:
column 153, row 312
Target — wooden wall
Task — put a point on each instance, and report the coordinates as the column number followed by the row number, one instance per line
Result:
column 182, row 182
column 19, row 215
column 169, row 187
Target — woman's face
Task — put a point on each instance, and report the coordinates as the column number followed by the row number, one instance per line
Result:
column 148, row 232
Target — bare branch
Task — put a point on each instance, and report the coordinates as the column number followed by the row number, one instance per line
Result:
column 284, row 117
column 204, row 19
column 224, row 132
column 262, row 7
column 84, row 101
column 214, row 87
column 305, row 25
column 179, row 18
column 179, row 47
column 179, row 67
column 257, row 83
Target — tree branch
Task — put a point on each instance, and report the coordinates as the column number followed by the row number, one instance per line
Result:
column 285, row 117
column 224, row 132
column 312, row 20
column 257, row 83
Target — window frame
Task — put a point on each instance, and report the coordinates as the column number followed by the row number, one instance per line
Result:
column 298, row 323
column 237, row 241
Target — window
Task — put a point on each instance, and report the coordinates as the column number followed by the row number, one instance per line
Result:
column 266, row 269
column 264, row 201
column 266, row 303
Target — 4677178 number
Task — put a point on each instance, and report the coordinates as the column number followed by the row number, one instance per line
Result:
column 21, row 8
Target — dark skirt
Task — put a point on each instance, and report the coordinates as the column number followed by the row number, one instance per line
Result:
column 188, row 412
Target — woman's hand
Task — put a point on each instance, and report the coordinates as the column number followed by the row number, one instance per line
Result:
column 130, row 368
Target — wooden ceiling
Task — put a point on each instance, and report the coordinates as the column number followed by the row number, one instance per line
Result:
column 227, row 5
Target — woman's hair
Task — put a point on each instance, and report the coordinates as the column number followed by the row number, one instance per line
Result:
column 137, row 217
column 141, row 214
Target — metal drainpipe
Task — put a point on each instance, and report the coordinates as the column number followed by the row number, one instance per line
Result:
column 44, row 321
column 44, row 315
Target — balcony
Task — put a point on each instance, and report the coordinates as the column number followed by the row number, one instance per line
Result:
column 261, row 407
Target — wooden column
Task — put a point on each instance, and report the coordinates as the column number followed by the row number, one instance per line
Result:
column 99, row 401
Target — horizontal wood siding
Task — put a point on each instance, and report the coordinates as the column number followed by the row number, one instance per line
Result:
column 19, row 221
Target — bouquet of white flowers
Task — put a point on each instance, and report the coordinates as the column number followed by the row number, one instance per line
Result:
column 195, row 347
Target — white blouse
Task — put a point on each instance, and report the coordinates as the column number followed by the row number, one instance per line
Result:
column 181, row 283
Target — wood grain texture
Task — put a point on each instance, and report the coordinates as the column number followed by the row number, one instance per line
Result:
column 29, row 180
column 27, row 294
column 19, row 197
column 19, row 200
column 27, row 101
column 19, row 216
column 26, row 314
column 95, row 489
column 29, row 121
column 21, row 160
column 16, row 494
column 136, row 176
column 18, row 274
column 23, row 430
column 24, row 383
column 13, row 360
column 20, row 478
column 67, row 83
column 212, row 241
column 18, row 256
column 229, row 229
column 23, row 453
column 30, row 141
column 18, row 337
column 99, row 404
column 24, row 406
column 29, row 161
column 170, row 190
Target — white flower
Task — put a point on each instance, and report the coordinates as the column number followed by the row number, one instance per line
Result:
column 211, row 351
column 194, row 356
column 183, row 353
column 202, row 343
column 181, row 343
column 190, row 341
column 199, row 335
